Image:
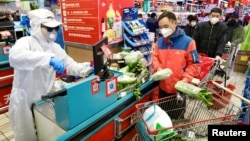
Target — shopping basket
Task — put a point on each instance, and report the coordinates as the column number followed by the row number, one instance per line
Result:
column 193, row 125
column 220, row 97
column 245, row 105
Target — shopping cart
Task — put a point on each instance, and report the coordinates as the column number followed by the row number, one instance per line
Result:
column 191, row 124
column 214, row 68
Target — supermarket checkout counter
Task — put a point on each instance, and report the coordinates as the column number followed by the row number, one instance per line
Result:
column 6, row 78
column 87, row 110
column 7, row 39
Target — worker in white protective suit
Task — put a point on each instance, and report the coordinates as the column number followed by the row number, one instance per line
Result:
column 35, row 60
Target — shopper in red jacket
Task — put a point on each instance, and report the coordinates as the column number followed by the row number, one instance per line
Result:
column 176, row 51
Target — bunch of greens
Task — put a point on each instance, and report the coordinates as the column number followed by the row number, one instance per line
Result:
column 193, row 91
column 133, row 72
column 135, row 67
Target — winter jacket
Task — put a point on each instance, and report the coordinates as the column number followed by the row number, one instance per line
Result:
column 178, row 52
column 235, row 34
column 238, row 35
column 210, row 39
column 189, row 30
column 152, row 24
column 245, row 45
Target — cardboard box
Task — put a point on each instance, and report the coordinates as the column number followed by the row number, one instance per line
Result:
column 240, row 68
column 242, row 57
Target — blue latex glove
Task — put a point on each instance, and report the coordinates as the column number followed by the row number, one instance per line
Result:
column 57, row 65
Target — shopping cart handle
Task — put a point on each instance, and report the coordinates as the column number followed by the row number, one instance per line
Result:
column 233, row 93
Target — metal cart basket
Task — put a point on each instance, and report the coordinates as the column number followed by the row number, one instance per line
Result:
column 192, row 122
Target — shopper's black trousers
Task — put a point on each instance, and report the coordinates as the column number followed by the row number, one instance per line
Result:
column 175, row 108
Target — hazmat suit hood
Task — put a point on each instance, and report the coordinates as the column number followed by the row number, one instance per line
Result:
column 40, row 17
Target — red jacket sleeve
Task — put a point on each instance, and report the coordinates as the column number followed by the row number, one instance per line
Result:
column 155, row 59
column 193, row 62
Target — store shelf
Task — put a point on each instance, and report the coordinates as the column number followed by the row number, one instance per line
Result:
column 139, row 32
column 135, row 44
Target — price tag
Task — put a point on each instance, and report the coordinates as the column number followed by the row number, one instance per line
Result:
column 95, row 86
column 243, row 58
column 106, row 51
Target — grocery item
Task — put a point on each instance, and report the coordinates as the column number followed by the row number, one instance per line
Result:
column 162, row 74
column 193, row 91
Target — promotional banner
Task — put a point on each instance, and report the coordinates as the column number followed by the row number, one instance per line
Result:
column 80, row 20
column 111, row 15
column 88, row 21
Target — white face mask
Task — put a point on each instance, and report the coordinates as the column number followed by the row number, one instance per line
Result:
column 214, row 20
column 51, row 36
column 193, row 24
column 166, row 32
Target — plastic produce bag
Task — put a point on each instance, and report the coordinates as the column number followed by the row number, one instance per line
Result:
column 162, row 74
column 195, row 92
column 156, row 119
column 133, row 56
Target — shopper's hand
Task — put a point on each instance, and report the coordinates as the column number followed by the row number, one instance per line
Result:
column 195, row 81
column 217, row 58
column 180, row 97
column 185, row 80
column 159, row 69
column 57, row 65
column 233, row 44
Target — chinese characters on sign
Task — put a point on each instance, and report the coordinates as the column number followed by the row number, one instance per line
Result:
column 81, row 21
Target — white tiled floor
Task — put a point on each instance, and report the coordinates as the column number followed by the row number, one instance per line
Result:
column 7, row 135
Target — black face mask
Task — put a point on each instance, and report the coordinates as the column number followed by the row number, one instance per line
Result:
column 232, row 23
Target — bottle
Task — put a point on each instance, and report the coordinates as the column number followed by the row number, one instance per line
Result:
column 110, row 16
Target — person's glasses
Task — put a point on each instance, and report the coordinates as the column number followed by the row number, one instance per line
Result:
column 49, row 29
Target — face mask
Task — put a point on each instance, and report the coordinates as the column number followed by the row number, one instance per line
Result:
column 166, row 32
column 231, row 23
column 193, row 24
column 51, row 36
column 139, row 18
column 214, row 20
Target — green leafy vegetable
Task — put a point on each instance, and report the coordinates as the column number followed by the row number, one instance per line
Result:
column 193, row 91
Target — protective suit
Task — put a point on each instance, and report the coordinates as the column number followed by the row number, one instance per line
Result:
column 33, row 75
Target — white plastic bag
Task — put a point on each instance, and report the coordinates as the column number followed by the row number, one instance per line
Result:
column 154, row 114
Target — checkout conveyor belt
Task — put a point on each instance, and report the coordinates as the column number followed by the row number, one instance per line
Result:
column 94, row 123
column 83, row 114
column 107, row 116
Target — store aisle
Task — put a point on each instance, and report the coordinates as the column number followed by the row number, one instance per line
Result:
column 7, row 135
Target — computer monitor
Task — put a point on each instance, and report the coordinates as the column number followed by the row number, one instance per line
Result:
column 100, row 63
